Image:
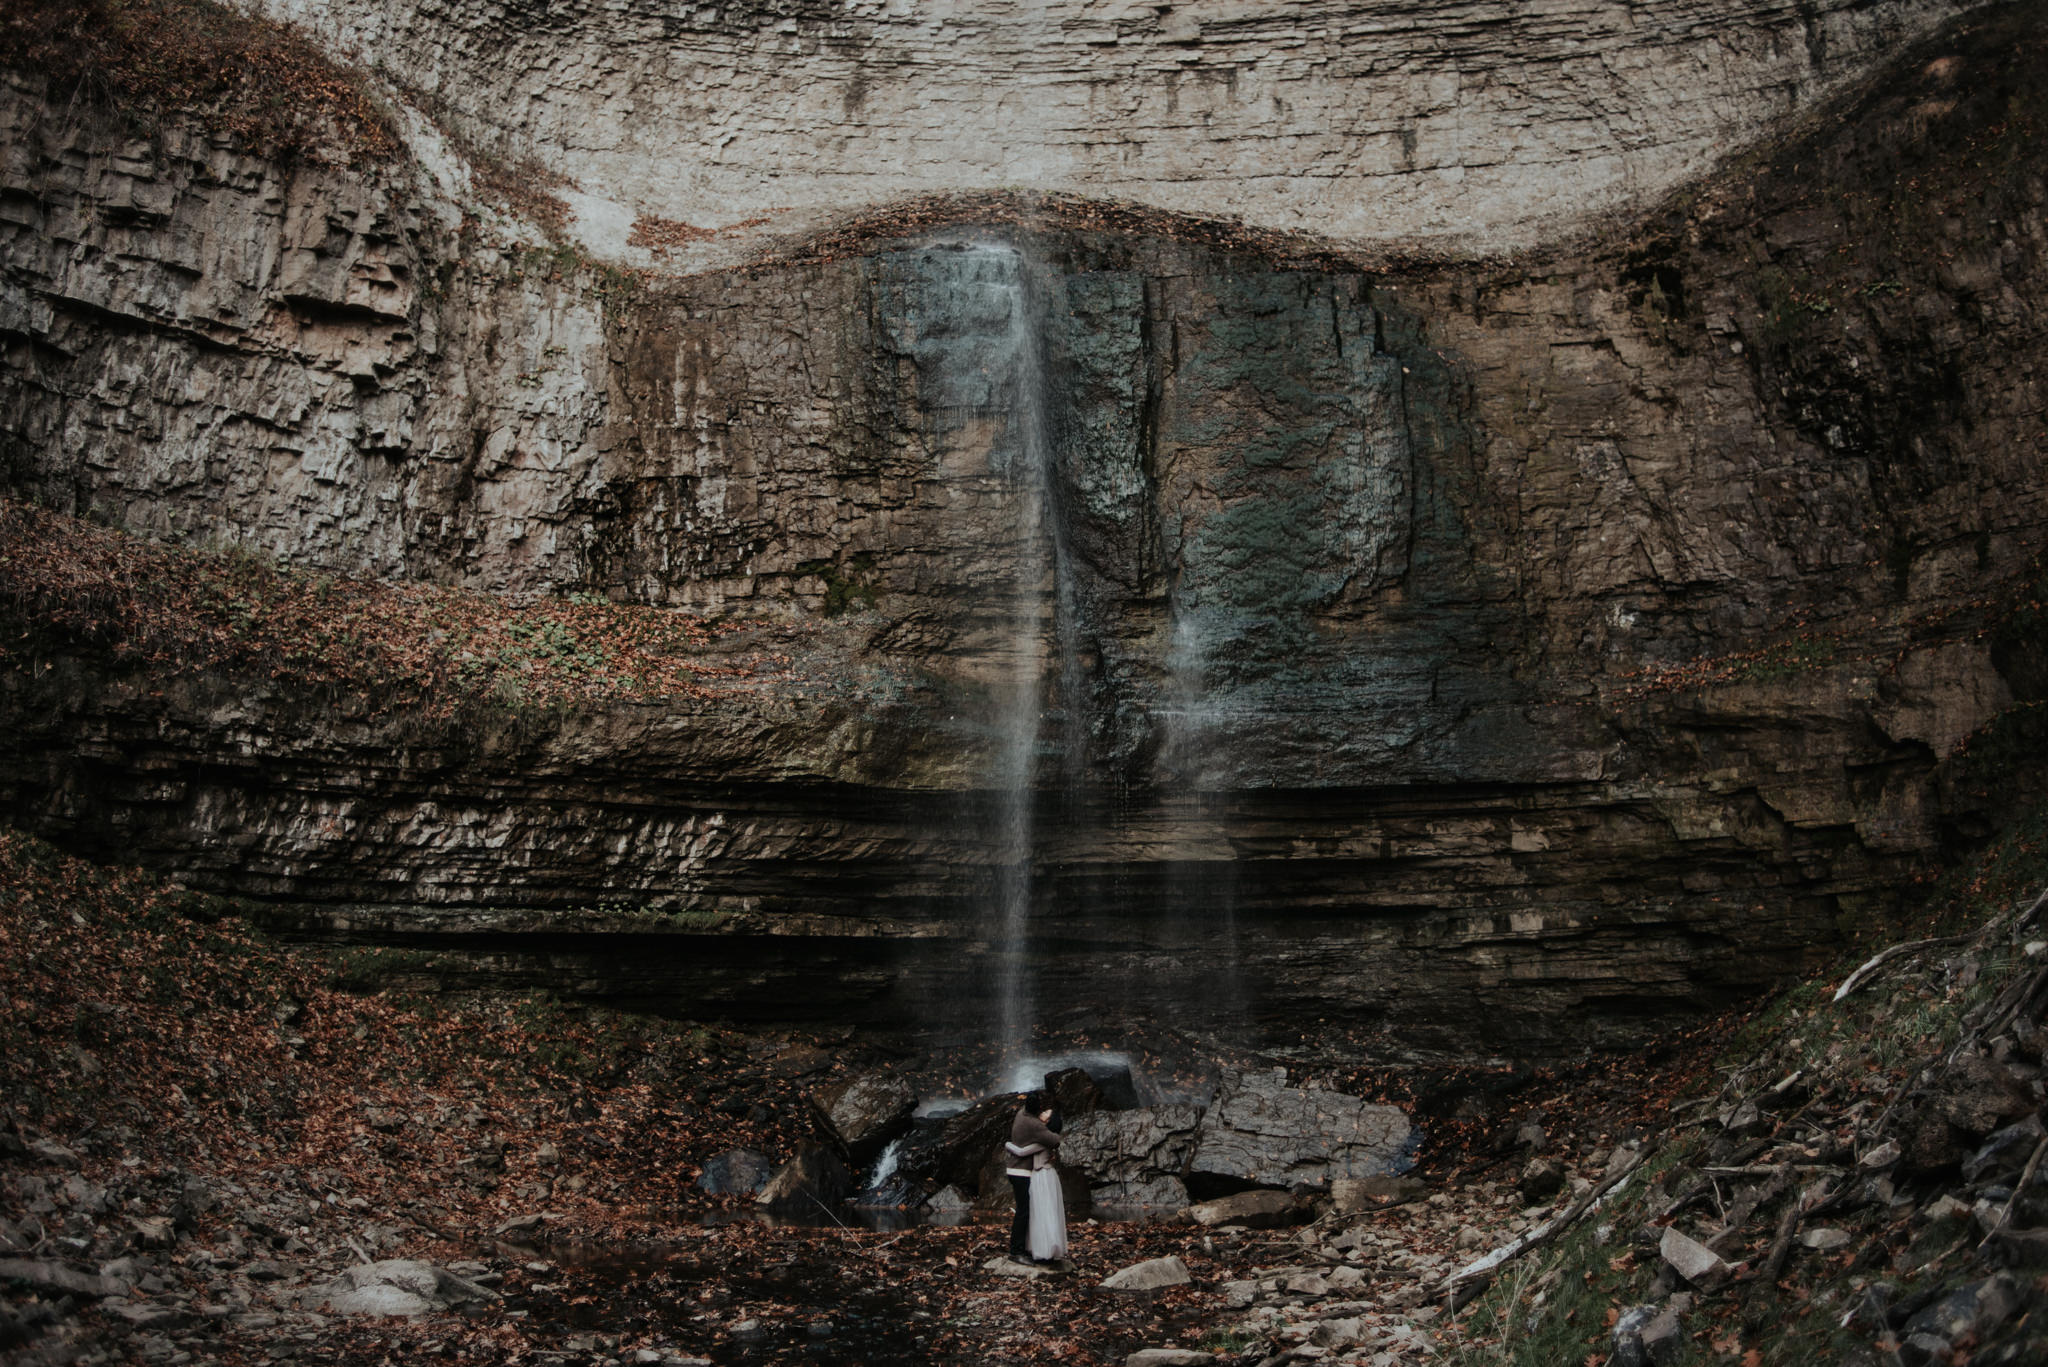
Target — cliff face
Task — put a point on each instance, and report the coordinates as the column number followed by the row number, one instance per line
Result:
column 1451, row 123
column 1580, row 637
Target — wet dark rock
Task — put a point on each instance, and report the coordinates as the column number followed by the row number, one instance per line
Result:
column 737, row 1172
column 1074, row 1093
column 815, row 1179
column 1979, row 1093
column 2005, row 1151
column 969, row 1143
column 1973, row 1311
column 864, row 1113
column 1540, row 1181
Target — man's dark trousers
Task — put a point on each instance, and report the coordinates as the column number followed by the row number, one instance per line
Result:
column 1020, row 1223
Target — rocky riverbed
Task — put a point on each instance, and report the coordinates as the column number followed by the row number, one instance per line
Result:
column 213, row 1150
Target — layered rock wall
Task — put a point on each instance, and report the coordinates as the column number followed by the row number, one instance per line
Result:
column 1582, row 638
column 1460, row 123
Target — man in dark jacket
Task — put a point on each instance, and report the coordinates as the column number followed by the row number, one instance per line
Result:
column 1030, row 1139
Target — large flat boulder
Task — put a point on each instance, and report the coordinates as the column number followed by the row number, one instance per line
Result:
column 1134, row 1158
column 1262, row 1131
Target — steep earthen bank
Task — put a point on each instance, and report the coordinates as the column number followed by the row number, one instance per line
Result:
column 1583, row 637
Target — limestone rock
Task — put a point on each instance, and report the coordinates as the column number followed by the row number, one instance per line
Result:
column 1692, row 1260
column 1150, row 1275
column 1978, row 1093
column 400, row 1286
column 1010, row 1267
column 1355, row 1195
column 1261, row 1130
column 1541, row 1180
column 1135, row 1157
column 1248, row 1210
column 1338, row 1333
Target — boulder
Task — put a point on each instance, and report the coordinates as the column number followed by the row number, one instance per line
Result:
column 948, row 1206
column 400, row 1286
column 1074, row 1093
column 864, row 1113
column 1150, row 1275
column 1541, row 1180
column 1971, row 1311
column 1978, row 1093
column 1248, row 1210
column 1262, row 1131
column 737, row 1172
column 814, row 1178
column 968, row 1143
column 1134, row 1158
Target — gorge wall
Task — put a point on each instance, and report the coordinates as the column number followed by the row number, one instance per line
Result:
column 1494, row 652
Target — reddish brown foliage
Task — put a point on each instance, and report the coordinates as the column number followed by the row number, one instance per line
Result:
column 255, row 80
column 71, row 586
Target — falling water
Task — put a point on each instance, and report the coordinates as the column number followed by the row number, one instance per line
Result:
column 1016, row 362
column 967, row 313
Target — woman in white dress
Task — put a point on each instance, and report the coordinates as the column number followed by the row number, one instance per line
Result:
column 1048, row 1235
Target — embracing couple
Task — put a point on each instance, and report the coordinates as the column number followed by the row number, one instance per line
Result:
column 1038, row 1231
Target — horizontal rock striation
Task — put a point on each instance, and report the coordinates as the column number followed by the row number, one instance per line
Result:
column 1495, row 655
column 1457, row 123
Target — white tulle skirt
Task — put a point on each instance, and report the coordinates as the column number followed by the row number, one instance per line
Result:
column 1048, row 1216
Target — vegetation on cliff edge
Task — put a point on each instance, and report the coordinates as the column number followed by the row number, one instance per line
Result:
column 253, row 79
column 69, row 587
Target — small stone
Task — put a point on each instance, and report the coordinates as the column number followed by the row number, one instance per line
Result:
column 1692, row 1260
column 1149, row 1275
column 1946, row 1208
column 1337, row 1333
column 747, row 1331
column 1823, row 1237
column 1009, row 1267
column 521, row 1224
column 1307, row 1284
column 1884, row 1155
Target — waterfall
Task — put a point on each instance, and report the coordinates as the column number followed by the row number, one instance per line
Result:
column 970, row 317
column 1018, row 356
